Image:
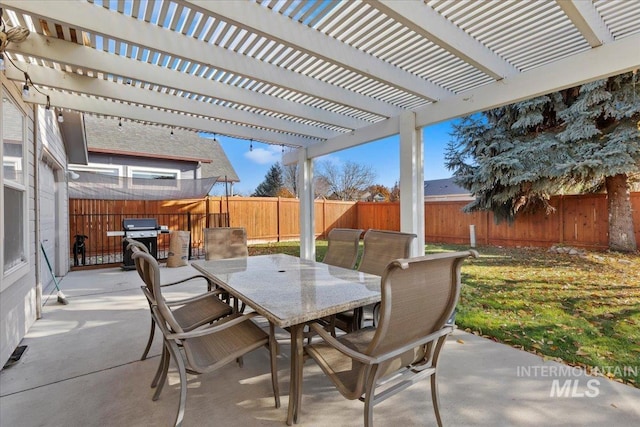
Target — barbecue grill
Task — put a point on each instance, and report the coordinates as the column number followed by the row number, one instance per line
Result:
column 145, row 231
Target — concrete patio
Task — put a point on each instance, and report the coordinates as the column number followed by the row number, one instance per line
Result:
column 82, row 368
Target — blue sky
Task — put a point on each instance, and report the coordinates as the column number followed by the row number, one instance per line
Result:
column 381, row 155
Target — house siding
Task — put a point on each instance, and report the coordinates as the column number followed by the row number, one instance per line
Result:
column 187, row 169
column 18, row 301
column 18, row 309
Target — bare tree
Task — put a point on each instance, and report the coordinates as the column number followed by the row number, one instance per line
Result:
column 290, row 178
column 347, row 181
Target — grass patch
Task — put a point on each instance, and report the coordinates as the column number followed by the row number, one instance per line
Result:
column 583, row 311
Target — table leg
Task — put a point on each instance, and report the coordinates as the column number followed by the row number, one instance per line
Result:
column 295, row 387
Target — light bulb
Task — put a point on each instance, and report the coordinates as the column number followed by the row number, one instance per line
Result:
column 25, row 91
column 60, row 117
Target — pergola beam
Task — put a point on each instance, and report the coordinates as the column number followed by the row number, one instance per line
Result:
column 428, row 23
column 588, row 21
column 256, row 18
column 74, row 55
column 77, row 102
column 136, row 95
column 100, row 21
column 607, row 60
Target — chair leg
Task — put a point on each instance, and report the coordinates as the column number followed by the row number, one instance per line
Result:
column 358, row 315
column 175, row 353
column 156, row 378
column 150, row 341
column 376, row 314
column 163, row 377
column 369, row 398
column 434, row 398
column 273, row 355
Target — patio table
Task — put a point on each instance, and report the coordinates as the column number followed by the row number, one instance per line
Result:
column 289, row 292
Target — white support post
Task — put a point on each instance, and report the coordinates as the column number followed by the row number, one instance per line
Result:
column 412, row 181
column 307, row 220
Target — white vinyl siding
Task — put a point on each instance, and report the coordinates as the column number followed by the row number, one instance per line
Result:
column 14, row 218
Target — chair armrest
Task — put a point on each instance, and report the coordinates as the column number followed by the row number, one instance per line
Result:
column 369, row 360
column 212, row 329
column 198, row 276
column 445, row 330
column 356, row 355
column 195, row 298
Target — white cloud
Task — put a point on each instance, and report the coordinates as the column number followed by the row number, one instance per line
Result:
column 263, row 156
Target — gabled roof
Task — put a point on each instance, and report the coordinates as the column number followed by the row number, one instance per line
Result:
column 106, row 135
column 443, row 187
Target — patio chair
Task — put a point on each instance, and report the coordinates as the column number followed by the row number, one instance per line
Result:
column 372, row 364
column 207, row 348
column 191, row 313
column 225, row 242
column 343, row 247
column 380, row 248
column 342, row 251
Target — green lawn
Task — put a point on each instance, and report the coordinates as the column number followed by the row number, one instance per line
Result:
column 584, row 311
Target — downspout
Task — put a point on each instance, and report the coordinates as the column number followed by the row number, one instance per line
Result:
column 36, row 203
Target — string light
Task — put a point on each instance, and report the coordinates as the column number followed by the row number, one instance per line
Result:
column 28, row 83
column 251, row 145
column 60, row 117
column 283, row 148
column 120, row 124
column 25, row 88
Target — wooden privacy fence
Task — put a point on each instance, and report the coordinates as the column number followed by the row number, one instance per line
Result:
column 266, row 219
column 580, row 221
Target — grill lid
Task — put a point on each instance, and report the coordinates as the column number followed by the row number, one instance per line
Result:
column 140, row 224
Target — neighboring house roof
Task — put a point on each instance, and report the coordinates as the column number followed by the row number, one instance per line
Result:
column 444, row 187
column 142, row 140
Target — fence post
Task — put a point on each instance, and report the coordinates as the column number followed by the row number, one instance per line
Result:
column 278, row 216
column 189, row 228
column 472, row 235
column 562, row 219
column 486, row 221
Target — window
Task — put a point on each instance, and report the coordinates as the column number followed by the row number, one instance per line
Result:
column 110, row 170
column 142, row 177
column 13, row 218
column 153, row 173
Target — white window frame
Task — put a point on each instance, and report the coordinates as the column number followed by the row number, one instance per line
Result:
column 172, row 182
column 16, row 272
column 160, row 171
column 99, row 168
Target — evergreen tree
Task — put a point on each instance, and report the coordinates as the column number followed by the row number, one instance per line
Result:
column 272, row 183
column 586, row 138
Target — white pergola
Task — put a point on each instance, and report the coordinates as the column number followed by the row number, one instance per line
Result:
column 316, row 76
